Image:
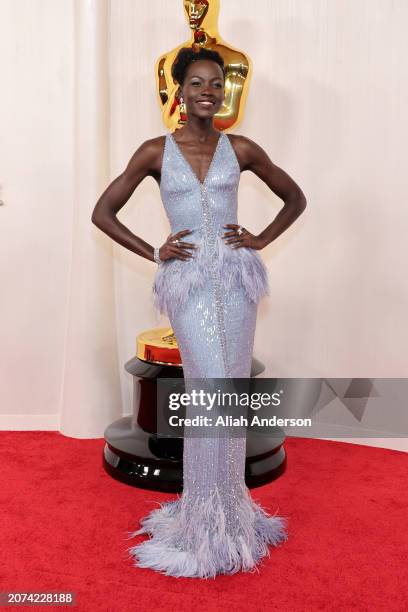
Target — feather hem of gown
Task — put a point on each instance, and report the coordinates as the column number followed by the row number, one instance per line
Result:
column 192, row 540
column 176, row 280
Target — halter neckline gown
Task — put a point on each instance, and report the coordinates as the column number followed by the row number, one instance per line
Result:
column 211, row 300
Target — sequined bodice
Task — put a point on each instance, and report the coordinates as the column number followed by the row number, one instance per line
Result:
column 204, row 208
column 183, row 195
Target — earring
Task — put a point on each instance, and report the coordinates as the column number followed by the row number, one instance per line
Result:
column 182, row 106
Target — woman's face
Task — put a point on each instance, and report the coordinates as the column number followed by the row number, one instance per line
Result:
column 204, row 81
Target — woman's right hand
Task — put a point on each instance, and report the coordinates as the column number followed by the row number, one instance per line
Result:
column 173, row 250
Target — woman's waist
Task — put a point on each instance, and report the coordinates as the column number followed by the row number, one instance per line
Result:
column 204, row 230
column 215, row 251
column 234, row 267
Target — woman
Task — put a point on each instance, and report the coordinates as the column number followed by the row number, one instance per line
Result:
column 209, row 282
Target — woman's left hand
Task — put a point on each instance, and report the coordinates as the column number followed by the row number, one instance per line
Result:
column 238, row 237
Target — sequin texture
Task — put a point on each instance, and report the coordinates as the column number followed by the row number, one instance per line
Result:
column 214, row 527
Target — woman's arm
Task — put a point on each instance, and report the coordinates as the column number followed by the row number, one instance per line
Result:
column 143, row 163
column 253, row 157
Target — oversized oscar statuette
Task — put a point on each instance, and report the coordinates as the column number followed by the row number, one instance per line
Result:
column 202, row 18
column 137, row 451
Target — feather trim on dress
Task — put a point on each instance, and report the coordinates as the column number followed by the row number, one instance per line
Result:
column 176, row 280
column 205, row 547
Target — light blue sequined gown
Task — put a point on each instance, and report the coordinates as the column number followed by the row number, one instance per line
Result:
column 215, row 527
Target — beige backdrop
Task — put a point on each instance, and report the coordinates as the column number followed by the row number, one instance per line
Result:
column 328, row 103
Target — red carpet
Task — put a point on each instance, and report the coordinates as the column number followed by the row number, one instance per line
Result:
column 63, row 527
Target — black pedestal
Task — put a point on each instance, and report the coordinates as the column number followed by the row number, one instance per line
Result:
column 134, row 454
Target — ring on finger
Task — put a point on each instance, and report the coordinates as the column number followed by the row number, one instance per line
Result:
column 240, row 230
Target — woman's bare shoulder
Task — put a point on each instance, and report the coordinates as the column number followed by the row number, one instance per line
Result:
column 244, row 149
column 152, row 146
column 149, row 154
column 241, row 141
column 249, row 153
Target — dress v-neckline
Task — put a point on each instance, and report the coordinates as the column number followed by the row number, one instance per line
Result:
column 187, row 163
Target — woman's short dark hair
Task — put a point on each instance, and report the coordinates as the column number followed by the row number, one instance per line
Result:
column 187, row 56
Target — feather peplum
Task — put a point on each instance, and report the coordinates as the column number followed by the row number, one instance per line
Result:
column 176, row 280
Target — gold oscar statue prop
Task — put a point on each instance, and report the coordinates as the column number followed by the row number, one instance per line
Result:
column 203, row 21
column 135, row 452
